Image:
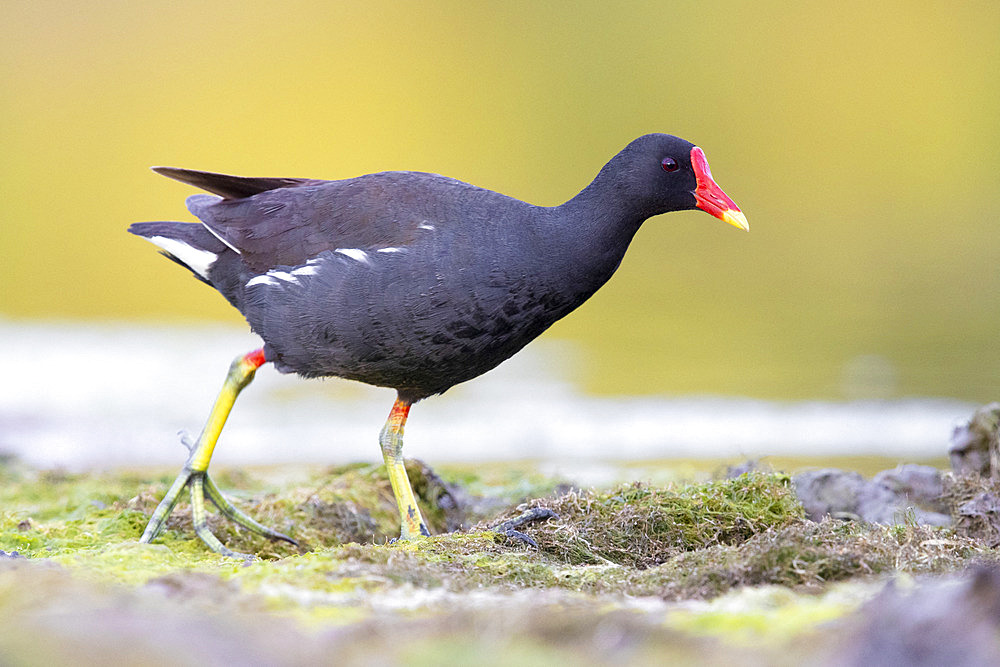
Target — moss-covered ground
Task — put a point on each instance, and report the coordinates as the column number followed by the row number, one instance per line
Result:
column 698, row 572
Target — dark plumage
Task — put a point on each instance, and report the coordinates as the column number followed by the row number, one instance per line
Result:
column 416, row 281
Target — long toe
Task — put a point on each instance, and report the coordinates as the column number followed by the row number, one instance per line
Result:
column 509, row 529
column 238, row 517
column 158, row 519
column 202, row 486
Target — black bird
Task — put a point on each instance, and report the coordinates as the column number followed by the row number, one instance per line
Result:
column 406, row 280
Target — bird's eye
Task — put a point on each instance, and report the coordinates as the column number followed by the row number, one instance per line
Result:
column 669, row 164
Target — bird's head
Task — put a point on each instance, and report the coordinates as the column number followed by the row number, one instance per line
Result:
column 666, row 173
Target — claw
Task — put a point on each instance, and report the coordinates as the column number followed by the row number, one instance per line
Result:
column 518, row 536
column 509, row 528
column 186, row 440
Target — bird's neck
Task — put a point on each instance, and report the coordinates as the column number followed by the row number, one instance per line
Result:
column 597, row 226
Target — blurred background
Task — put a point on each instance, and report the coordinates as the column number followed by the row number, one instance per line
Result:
column 862, row 141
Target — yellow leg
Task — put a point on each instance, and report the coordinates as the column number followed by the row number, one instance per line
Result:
column 194, row 474
column 241, row 373
column 391, row 441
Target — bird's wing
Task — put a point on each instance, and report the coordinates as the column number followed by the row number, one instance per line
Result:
column 287, row 221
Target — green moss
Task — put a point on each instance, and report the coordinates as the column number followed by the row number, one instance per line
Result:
column 737, row 551
column 695, row 541
column 53, row 513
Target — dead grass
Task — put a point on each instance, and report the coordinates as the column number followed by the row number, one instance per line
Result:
column 637, row 525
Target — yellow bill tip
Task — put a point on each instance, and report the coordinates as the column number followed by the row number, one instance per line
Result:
column 736, row 218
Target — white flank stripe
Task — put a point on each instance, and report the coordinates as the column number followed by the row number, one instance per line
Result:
column 261, row 280
column 283, row 275
column 391, row 250
column 199, row 260
column 304, row 271
column 355, row 254
column 424, row 225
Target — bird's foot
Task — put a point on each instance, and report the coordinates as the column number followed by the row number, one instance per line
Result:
column 201, row 485
column 509, row 529
column 411, row 537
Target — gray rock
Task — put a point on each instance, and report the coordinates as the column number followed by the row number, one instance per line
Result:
column 981, row 516
column 829, row 492
column 917, row 483
column 953, row 622
column 891, row 497
column 974, row 445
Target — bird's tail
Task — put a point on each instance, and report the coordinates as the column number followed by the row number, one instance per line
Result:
column 187, row 243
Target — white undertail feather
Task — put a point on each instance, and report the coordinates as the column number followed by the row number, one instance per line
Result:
column 200, row 261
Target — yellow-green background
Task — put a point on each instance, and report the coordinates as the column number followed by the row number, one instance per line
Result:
column 862, row 139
